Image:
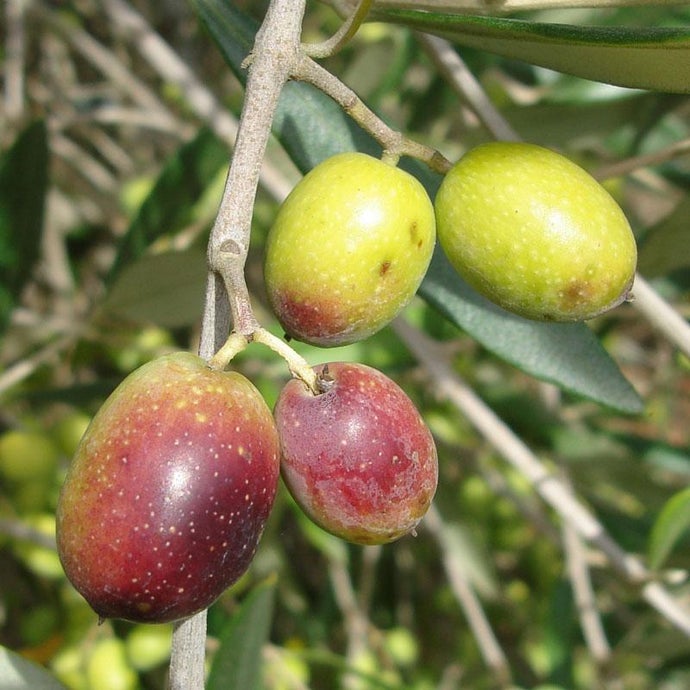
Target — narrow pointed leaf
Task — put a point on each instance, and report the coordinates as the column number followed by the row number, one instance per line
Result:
column 654, row 58
column 17, row 673
column 23, row 183
column 237, row 663
column 179, row 186
column 672, row 523
column 568, row 355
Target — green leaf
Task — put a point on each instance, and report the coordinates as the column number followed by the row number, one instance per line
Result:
column 656, row 58
column 568, row 355
column 180, row 185
column 23, row 183
column 17, row 673
column 671, row 524
column 311, row 128
column 163, row 289
column 665, row 247
column 237, row 663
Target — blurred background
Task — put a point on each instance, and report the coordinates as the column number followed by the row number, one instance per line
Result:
column 116, row 125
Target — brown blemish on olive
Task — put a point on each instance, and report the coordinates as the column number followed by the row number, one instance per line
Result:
column 384, row 267
column 414, row 235
column 577, row 292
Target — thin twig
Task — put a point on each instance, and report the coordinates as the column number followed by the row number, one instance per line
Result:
column 22, row 369
column 489, row 647
column 344, row 34
column 585, row 601
column 629, row 165
column 661, row 314
column 461, row 79
column 104, row 60
column 20, row 530
column 394, row 143
column 91, row 169
column 356, row 623
column 15, row 58
column 227, row 298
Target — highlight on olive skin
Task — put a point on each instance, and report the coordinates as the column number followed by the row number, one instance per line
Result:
column 535, row 233
column 348, row 250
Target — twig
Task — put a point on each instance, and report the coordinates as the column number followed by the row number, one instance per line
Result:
column 344, row 34
column 187, row 670
column 356, row 623
column 394, row 143
column 15, row 48
column 461, row 79
column 449, row 385
column 16, row 373
column 488, row 645
column 661, row 314
column 105, row 61
column 629, row 165
column 18, row 529
column 274, row 58
column 92, row 170
column 585, row 601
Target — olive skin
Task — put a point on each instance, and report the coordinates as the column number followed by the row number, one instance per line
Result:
column 167, row 496
column 348, row 249
column 535, row 233
column 358, row 458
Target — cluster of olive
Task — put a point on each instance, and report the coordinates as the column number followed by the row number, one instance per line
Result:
column 523, row 225
column 171, row 486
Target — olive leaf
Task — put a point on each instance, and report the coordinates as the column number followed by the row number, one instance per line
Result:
column 653, row 58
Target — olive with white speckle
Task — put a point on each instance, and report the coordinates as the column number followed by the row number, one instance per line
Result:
column 358, row 458
column 167, row 496
column 535, row 233
column 348, row 249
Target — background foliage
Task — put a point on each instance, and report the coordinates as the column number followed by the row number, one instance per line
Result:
column 117, row 125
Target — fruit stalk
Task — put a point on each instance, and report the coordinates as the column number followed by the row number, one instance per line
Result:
column 392, row 141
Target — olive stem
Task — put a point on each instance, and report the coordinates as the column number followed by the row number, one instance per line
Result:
column 393, row 142
column 661, row 314
column 298, row 366
column 275, row 54
column 235, row 343
column 187, row 660
column 344, row 34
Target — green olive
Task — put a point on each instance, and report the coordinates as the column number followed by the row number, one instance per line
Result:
column 535, row 233
column 348, row 249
